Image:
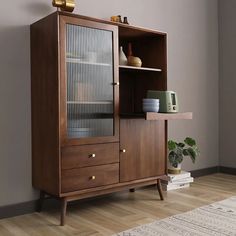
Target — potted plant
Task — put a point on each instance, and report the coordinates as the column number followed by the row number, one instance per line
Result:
column 177, row 152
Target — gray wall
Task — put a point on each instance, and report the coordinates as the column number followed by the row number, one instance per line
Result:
column 192, row 27
column 227, row 85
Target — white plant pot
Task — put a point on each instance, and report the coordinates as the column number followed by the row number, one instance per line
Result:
column 173, row 170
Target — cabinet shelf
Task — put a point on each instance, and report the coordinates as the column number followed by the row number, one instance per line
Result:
column 133, row 68
column 90, row 102
column 80, row 61
column 169, row 116
column 159, row 116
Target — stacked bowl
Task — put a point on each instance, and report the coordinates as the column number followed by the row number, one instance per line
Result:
column 150, row 105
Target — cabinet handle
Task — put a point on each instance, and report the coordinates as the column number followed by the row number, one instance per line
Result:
column 123, row 150
column 92, row 155
column 116, row 83
column 93, row 177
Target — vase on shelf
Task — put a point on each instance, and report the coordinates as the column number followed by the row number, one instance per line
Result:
column 133, row 61
column 122, row 57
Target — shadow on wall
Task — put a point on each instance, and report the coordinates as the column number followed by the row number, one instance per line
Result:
column 37, row 8
column 15, row 120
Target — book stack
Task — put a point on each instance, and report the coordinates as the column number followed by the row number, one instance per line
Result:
column 177, row 181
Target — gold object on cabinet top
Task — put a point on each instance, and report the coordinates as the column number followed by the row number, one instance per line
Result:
column 64, row 5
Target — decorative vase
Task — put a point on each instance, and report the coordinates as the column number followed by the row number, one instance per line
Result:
column 122, row 59
column 133, row 61
column 130, row 52
column 174, row 170
column 125, row 21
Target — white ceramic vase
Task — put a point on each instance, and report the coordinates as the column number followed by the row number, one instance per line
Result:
column 122, row 58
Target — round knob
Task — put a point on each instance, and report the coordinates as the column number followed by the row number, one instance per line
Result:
column 93, row 177
column 92, row 155
column 123, row 150
column 116, row 83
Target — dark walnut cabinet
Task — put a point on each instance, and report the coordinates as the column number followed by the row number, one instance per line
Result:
column 89, row 134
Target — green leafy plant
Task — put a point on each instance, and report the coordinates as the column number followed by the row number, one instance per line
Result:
column 177, row 151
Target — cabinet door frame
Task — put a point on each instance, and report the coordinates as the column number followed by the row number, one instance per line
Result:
column 65, row 141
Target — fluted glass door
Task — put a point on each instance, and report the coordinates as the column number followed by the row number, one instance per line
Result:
column 89, row 68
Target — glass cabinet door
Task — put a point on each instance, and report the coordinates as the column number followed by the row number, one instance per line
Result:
column 89, row 82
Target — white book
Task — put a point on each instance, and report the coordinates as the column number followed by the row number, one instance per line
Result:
column 166, row 187
column 178, row 181
column 182, row 175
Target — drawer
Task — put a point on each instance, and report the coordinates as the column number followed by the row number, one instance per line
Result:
column 89, row 155
column 89, row 177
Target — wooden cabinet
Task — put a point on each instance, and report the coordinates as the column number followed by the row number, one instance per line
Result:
column 86, row 109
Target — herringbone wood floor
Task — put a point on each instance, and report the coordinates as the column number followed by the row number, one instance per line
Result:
column 121, row 211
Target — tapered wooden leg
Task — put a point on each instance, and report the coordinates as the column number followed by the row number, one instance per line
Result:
column 132, row 190
column 63, row 211
column 40, row 201
column 159, row 188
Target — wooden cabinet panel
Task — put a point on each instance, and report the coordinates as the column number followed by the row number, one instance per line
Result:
column 144, row 143
column 45, row 105
column 88, row 177
column 89, row 155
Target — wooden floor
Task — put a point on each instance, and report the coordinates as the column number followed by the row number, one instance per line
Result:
column 121, row 211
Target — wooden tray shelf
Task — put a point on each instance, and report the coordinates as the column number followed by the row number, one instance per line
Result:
column 169, row 116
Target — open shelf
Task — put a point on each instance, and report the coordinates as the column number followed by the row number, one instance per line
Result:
column 169, row 116
column 133, row 68
column 130, row 31
column 80, row 61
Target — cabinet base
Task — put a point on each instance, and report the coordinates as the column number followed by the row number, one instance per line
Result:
column 95, row 192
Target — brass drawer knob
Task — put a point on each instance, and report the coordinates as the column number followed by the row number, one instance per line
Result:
column 123, row 150
column 92, row 155
column 93, row 177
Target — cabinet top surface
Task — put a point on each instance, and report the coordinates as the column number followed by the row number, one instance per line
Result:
column 121, row 26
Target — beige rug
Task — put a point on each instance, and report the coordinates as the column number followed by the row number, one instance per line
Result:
column 218, row 219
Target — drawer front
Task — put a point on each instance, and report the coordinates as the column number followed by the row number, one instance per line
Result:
column 89, row 155
column 89, row 177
